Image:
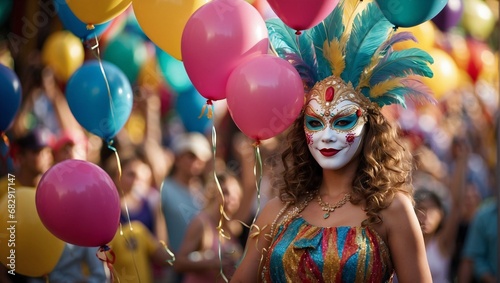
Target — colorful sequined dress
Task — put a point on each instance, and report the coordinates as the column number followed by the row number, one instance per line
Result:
column 301, row 252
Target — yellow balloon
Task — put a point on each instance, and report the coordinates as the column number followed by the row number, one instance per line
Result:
column 425, row 33
column 64, row 53
column 149, row 75
column 478, row 19
column 26, row 246
column 94, row 12
column 446, row 74
column 164, row 21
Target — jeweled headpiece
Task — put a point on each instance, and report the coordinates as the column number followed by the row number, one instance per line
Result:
column 353, row 47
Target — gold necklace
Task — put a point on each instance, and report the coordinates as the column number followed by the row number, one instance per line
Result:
column 331, row 208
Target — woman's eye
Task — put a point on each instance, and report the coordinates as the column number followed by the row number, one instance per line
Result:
column 346, row 122
column 313, row 123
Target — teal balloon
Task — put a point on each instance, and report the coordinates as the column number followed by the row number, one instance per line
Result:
column 100, row 99
column 128, row 52
column 409, row 13
column 173, row 72
column 5, row 9
column 188, row 106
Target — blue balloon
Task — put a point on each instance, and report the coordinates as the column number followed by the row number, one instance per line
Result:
column 173, row 72
column 99, row 111
column 10, row 97
column 188, row 106
column 409, row 13
column 71, row 22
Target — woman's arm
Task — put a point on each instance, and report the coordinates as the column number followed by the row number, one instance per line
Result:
column 257, row 244
column 406, row 242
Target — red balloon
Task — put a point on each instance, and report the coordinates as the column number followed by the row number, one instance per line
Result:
column 264, row 96
column 302, row 14
column 217, row 37
column 78, row 202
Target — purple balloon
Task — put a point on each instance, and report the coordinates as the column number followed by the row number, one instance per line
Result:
column 450, row 16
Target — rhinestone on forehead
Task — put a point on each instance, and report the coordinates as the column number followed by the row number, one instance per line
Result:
column 332, row 90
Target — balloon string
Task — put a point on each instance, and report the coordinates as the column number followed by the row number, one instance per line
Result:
column 95, row 50
column 118, row 164
column 208, row 107
column 169, row 261
column 107, row 255
column 223, row 215
column 257, row 171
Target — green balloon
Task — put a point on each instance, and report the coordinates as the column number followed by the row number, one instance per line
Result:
column 409, row 13
column 128, row 52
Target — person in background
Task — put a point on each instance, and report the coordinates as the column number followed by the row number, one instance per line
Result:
column 480, row 252
column 182, row 192
column 198, row 257
column 136, row 252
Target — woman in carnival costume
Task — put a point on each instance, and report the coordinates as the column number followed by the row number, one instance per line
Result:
column 345, row 211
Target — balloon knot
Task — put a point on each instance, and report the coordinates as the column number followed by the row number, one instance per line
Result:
column 90, row 27
column 256, row 143
column 209, row 102
column 104, row 248
column 298, row 32
column 395, row 28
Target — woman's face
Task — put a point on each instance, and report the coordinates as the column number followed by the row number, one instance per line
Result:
column 429, row 215
column 334, row 134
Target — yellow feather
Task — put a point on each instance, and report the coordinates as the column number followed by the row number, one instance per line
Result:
column 367, row 72
column 385, row 86
column 333, row 53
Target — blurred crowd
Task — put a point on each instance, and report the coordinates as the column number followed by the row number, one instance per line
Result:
column 172, row 187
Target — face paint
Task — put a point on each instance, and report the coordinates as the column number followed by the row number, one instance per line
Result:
column 334, row 126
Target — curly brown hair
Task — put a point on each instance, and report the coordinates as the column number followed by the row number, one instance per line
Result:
column 384, row 168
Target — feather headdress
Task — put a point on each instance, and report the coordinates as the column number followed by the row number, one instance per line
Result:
column 355, row 43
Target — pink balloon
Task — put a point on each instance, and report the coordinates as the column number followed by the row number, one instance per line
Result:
column 302, row 14
column 264, row 96
column 216, row 38
column 78, row 202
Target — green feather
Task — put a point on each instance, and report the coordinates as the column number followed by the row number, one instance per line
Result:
column 402, row 63
column 370, row 30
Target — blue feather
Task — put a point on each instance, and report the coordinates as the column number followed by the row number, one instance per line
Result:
column 402, row 63
column 305, row 71
column 370, row 30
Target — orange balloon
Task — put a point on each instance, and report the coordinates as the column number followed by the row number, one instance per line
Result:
column 425, row 33
column 446, row 73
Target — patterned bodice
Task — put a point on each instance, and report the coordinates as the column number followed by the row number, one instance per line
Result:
column 301, row 252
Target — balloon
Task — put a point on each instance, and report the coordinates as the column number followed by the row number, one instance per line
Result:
column 480, row 57
column 149, row 75
column 130, row 46
column 188, row 106
column 26, row 246
column 78, row 202
column 10, row 95
column 264, row 96
column 164, row 21
column 64, row 53
column 424, row 33
column 450, row 16
column 302, row 14
column 94, row 12
column 446, row 75
column 73, row 24
column 217, row 37
column 5, row 9
column 405, row 13
column 100, row 112
column 174, row 72
column 478, row 19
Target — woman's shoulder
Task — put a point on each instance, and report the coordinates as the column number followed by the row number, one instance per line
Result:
column 399, row 210
column 271, row 209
